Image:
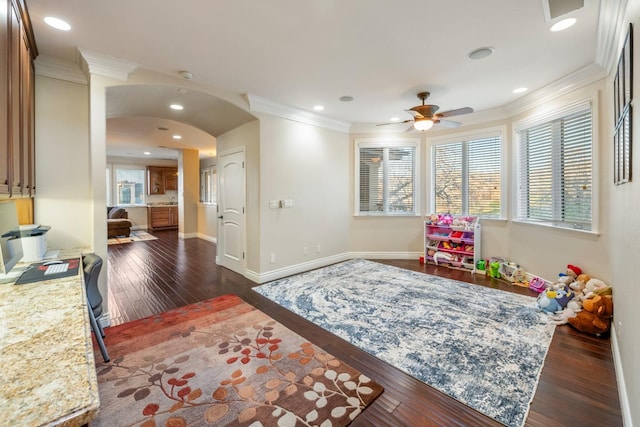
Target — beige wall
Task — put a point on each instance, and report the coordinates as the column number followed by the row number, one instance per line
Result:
column 309, row 166
column 208, row 222
column 188, row 192
column 63, row 193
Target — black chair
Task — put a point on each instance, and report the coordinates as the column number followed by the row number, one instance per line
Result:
column 92, row 265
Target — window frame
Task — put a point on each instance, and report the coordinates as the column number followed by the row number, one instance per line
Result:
column 388, row 143
column 114, row 184
column 460, row 137
column 209, row 197
column 557, row 112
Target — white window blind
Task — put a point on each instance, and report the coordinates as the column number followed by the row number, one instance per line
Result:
column 468, row 177
column 555, row 171
column 386, row 179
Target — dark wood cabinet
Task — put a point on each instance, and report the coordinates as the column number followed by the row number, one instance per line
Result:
column 155, row 177
column 17, row 111
column 161, row 179
column 162, row 217
column 171, row 179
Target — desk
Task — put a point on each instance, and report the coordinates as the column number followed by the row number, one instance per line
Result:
column 47, row 367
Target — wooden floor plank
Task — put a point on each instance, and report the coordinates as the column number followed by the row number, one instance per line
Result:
column 577, row 385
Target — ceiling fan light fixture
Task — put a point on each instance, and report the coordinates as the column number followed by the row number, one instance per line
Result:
column 423, row 124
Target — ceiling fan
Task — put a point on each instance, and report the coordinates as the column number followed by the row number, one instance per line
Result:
column 425, row 116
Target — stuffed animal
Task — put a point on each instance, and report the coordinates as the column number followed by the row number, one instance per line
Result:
column 595, row 318
column 573, row 271
column 571, row 310
column 553, row 300
column 494, row 269
column 592, row 286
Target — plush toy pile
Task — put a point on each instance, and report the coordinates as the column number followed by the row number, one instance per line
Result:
column 577, row 299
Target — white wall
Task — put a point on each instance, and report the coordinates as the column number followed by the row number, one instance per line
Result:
column 620, row 210
column 310, row 166
column 63, row 184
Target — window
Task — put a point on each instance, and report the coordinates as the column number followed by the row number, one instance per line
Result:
column 555, row 164
column 208, row 193
column 386, row 177
column 467, row 176
column 129, row 186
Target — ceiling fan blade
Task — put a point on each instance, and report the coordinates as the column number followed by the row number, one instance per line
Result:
column 456, row 112
column 415, row 114
column 447, row 123
column 394, row 123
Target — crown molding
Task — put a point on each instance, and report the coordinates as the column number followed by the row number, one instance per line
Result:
column 107, row 66
column 262, row 105
column 610, row 24
column 569, row 83
column 49, row 66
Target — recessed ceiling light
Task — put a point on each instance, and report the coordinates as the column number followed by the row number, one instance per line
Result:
column 563, row 25
column 520, row 90
column 177, row 136
column 176, row 107
column 395, row 119
column 318, row 108
column 346, row 98
column 481, row 52
column 57, row 23
column 147, row 153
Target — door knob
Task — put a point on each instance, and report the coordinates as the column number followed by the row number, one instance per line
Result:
column 220, row 217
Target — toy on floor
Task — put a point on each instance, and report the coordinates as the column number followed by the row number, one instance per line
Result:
column 595, row 318
column 553, row 300
column 571, row 310
column 443, row 255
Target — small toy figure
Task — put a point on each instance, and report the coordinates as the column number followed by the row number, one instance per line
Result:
column 494, row 270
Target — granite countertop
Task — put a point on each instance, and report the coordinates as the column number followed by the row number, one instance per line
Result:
column 160, row 204
column 47, row 373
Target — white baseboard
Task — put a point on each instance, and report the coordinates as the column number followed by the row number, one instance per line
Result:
column 627, row 421
column 184, row 236
column 207, row 238
column 268, row 276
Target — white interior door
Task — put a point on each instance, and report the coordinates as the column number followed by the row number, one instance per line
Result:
column 231, row 219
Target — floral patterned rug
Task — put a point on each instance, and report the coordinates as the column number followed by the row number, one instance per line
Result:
column 481, row 346
column 222, row 362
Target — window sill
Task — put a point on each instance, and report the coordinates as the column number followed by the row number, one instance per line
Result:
column 555, row 228
column 386, row 215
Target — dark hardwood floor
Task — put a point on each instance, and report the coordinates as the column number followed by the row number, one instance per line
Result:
column 577, row 386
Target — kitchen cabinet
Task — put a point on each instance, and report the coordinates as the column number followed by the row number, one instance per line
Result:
column 155, row 178
column 162, row 217
column 17, row 113
column 171, row 179
column 161, row 179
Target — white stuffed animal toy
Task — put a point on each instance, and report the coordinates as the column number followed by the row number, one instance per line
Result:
column 571, row 310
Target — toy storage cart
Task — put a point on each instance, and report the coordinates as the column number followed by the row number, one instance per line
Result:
column 453, row 242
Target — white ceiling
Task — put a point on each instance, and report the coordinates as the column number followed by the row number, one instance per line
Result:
column 301, row 53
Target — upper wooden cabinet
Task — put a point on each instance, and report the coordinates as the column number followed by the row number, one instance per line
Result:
column 17, row 114
column 155, row 184
column 171, row 179
column 161, row 179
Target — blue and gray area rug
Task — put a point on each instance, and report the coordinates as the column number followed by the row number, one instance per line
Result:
column 481, row 346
